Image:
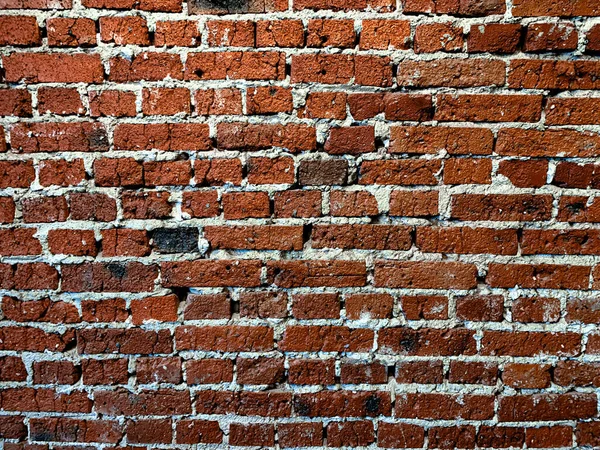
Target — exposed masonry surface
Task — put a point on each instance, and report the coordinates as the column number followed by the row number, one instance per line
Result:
column 325, row 223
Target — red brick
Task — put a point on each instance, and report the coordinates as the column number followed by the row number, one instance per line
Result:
column 522, row 174
column 162, row 136
column 208, row 306
column 145, row 431
column 378, row 237
column 466, row 240
column 307, row 434
column 550, row 276
column 445, row 406
column 463, row 8
column 269, row 100
column 377, row 5
column 548, row 437
column 438, row 37
column 97, row 207
column 549, row 143
column 432, row 140
column 72, row 242
column 489, row 108
column 21, row 31
column 224, row 338
column 372, row 306
column 62, row 172
column 324, row 105
column 104, row 371
column 316, row 306
column 538, row 407
column 109, row 277
column 572, row 111
column 44, row 137
column 311, row 371
column 421, row 372
column 461, row 436
column 427, row 342
column 71, row 32
column 148, row 402
column 128, row 342
column 330, row 33
column 529, row 8
column 167, row 173
column 12, row 369
column 125, row 242
column 536, row 309
column 298, row 203
column 553, row 74
column 501, row 207
column 262, row 170
column 45, row 209
column 399, row 435
column 17, row 174
column 39, row 311
column 343, row 404
column 263, row 304
column 174, row 33
column 55, row 372
column 350, row 434
column 154, row 309
column 542, row 37
column 425, row 307
column 258, row 237
column 425, row 275
column 260, row 370
column 235, row 65
column 467, row 171
column 112, row 310
column 313, row 273
column 209, row 371
column 53, row 68
column 385, row 34
column 352, row 203
column 593, row 40
column 252, row 434
column 414, row 203
column 526, row 376
column 242, row 205
column 45, row 400
column 211, row 273
column 242, row 136
column 217, row 172
column 75, row 430
column 146, row 205
column 480, row 308
column 403, row 172
column 473, row 373
column 198, row 432
column 112, row 103
column 165, row 101
column 494, row 38
column 200, row 204
column 279, row 33
column 228, row 33
column 15, row 102
column 149, row 66
column 530, row 343
column 452, row 73
column 34, row 339
column 327, row 339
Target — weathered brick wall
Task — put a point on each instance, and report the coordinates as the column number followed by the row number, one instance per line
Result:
column 337, row 223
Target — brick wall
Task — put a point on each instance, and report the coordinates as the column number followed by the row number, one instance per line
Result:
column 323, row 223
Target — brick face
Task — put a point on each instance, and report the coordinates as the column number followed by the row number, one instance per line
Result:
column 304, row 223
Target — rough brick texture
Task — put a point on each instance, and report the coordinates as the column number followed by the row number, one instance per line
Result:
column 304, row 223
